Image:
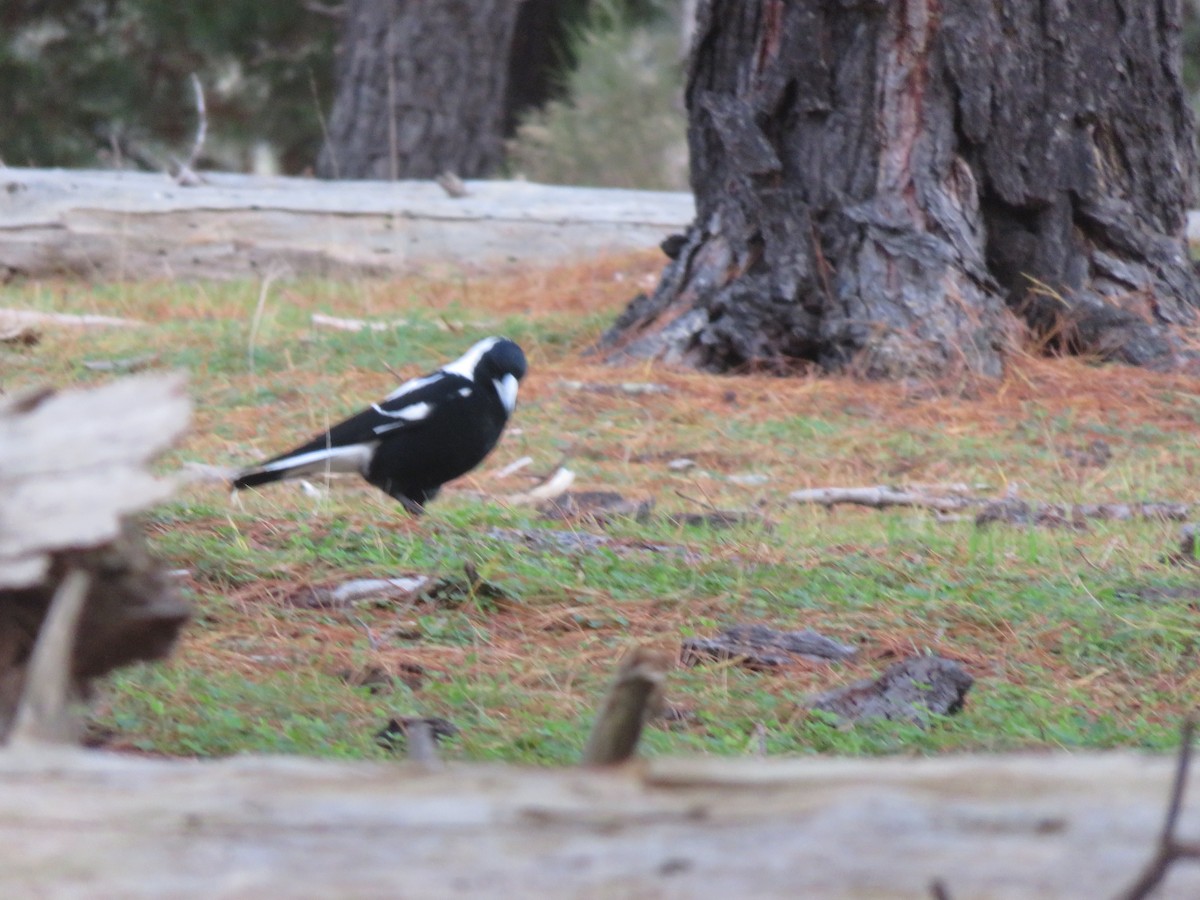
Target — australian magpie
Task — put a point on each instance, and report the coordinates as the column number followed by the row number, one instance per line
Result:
column 426, row 432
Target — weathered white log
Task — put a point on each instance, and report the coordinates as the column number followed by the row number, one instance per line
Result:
column 132, row 224
column 1032, row 826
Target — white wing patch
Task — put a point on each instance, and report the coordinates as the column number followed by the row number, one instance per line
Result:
column 464, row 392
column 414, row 412
column 465, row 364
column 506, row 387
column 354, row 458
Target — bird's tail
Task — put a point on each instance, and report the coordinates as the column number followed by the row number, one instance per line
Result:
column 306, row 461
column 254, row 477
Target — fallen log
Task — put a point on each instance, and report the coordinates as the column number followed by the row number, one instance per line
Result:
column 128, row 225
column 1036, row 825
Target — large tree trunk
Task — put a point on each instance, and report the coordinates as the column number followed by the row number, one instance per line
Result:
column 880, row 186
column 421, row 89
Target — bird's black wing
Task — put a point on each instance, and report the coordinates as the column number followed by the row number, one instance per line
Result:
column 347, row 446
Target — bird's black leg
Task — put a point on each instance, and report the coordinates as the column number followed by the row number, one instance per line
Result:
column 411, row 505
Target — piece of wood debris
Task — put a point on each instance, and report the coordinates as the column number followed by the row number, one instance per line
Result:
column 64, row 504
column 348, row 593
column 64, row 510
column 635, row 696
column 748, row 479
column 1012, row 511
column 882, row 496
column 13, row 318
column 513, row 467
column 20, row 335
column 594, row 506
column 631, row 388
column 552, row 487
column 339, row 323
column 911, row 690
column 759, row 647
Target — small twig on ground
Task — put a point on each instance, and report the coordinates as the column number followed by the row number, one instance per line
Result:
column 513, row 467
column 320, row 320
column 11, row 318
column 634, row 696
column 1170, row 848
column 554, row 486
column 881, row 496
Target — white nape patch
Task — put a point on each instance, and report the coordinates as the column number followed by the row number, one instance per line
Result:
column 412, row 384
column 414, row 412
column 464, row 392
column 354, row 458
column 465, row 364
column 506, row 387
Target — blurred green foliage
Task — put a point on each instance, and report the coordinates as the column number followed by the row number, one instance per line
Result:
column 94, row 82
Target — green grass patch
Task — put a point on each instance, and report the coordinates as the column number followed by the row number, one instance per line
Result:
column 1079, row 638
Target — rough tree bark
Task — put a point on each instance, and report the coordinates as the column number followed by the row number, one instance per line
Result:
column 881, row 186
column 421, row 89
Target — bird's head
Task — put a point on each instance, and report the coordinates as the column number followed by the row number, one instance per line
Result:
column 496, row 360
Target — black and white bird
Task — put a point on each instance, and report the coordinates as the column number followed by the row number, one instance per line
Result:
column 426, row 432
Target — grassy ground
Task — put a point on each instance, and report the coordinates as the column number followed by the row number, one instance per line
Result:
column 1077, row 638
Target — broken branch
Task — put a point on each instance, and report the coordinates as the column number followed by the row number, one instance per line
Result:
column 881, row 496
column 635, row 695
column 1170, row 848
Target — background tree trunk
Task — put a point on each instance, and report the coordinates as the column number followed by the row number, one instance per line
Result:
column 879, row 184
column 540, row 51
column 421, row 89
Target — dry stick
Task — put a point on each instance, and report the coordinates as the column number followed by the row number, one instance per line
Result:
column 880, row 496
column 554, row 486
column 633, row 697
column 1169, row 847
column 43, row 715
